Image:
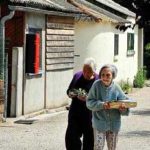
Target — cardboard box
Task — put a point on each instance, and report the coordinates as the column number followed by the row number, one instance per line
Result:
column 128, row 104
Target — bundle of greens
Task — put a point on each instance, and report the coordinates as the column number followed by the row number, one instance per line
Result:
column 77, row 92
column 82, row 92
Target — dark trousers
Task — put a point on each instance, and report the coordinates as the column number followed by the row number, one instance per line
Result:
column 77, row 128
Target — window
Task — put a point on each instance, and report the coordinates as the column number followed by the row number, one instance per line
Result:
column 116, row 47
column 130, row 44
column 34, row 31
column 34, row 51
column 116, row 44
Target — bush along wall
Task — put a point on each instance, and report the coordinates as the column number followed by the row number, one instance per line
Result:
column 126, row 86
column 146, row 59
column 140, row 78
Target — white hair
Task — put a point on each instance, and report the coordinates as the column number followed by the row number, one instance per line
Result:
column 91, row 62
column 113, row 69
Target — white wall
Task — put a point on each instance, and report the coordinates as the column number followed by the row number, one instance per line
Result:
column 97, row 40
column 91, row 40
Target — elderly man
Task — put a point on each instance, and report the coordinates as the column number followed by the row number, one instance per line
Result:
column 79, row 118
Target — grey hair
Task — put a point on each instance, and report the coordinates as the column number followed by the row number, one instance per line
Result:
column 91, row 62
column 113, row 69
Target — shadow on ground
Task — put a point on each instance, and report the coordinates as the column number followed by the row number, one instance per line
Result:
column 141, row 112
column 25, row 121
column 143, row 133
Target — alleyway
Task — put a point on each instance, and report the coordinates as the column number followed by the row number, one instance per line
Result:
column 46, row 132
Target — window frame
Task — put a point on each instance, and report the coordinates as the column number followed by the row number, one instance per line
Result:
column 116, row 44
column 116, row 47
column 130, row 44
column 33, row 30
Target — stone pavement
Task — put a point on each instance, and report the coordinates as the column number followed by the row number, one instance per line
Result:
column 135, row 132
column 47, row 131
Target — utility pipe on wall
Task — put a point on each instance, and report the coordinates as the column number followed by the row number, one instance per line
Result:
column 2, row 55
column 2, row 41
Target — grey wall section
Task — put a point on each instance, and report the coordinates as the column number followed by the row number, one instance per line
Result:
column 34, row 86
column 56, row 86
column 17, row 78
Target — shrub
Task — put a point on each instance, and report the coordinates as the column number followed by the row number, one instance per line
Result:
column 147, row 46
column 140, row 78
column 147, row 58
column 126, row 87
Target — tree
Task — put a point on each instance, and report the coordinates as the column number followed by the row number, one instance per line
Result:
column 140, row 7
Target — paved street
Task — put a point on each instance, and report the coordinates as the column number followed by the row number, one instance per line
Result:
column 135, row 133
column 46, row 132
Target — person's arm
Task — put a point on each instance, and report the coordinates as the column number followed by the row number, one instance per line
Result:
column 92, row 102
column 71, row 84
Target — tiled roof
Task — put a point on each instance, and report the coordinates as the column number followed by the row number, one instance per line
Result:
column 54, row 5
column 102, row 13
column 117, row 7
column 63, row 6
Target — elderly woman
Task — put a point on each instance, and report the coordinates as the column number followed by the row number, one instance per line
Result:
column 106, row 121
column 79, row 118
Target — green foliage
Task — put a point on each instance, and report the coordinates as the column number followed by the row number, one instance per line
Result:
column 126, row 86
column 140, row 7
column 140, row 78
column 77, row 92
column 1, row 76
column 147, row 47
column 147, row 59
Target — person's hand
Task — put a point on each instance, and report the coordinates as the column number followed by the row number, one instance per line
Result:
column 82, row 97
column 106, row 105
column 122, row 107
column 71, row 95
